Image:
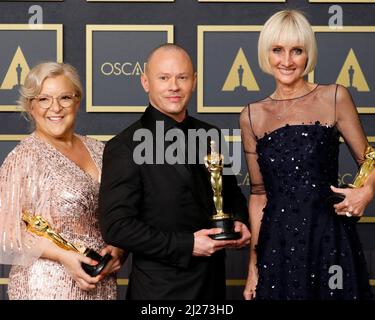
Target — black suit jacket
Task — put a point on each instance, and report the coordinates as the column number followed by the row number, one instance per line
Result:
column 152, row 210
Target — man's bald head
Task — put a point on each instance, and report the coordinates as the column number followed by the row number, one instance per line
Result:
column 166, row 47
column 169, row 80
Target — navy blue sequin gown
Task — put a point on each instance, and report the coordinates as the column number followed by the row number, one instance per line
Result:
column 305, row 250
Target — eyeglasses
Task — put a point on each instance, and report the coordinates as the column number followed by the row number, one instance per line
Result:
column 64, row 100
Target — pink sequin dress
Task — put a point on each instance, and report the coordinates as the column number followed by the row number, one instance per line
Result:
column 37, row 177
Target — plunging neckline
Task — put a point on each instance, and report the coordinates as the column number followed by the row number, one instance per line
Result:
column 94, row 179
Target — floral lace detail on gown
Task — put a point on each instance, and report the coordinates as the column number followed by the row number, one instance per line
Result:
column 72, row 209
column 292, row 149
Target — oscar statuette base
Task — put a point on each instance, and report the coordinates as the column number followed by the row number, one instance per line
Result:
column 228, row 232
column 93, row 271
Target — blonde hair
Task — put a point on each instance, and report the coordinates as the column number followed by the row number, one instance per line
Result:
column 290, row 27
column 35, row 78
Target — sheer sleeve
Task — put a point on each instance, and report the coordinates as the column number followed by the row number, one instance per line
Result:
column 349, row 125
column 22, row 187
column 249, row 145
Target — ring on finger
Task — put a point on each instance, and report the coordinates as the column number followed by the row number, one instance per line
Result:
column 348, row 214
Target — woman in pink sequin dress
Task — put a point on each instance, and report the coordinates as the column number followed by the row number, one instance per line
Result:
column 54, row 173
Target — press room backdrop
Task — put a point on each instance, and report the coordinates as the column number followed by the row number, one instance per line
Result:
column 108, row 42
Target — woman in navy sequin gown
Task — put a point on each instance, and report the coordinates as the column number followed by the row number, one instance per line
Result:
column 302, row 248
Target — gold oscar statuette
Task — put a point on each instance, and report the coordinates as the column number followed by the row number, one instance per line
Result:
column 366, row 168
column 364, row 171
column 214, row 163
column 38, row 225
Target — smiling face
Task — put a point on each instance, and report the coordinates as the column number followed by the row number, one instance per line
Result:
column 287, row 29
column 287, row 62
column 169, row 80
column 55, row 122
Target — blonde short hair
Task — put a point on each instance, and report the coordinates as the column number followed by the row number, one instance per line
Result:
column 290, row 27
column 35, row 78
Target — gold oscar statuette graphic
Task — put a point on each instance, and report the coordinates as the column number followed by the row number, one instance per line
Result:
column 38, row 225
column 364, row 171
column 214, row 164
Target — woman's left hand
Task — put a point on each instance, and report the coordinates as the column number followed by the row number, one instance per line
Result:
column 355, row 202
column 114, row 264
column 245, row 235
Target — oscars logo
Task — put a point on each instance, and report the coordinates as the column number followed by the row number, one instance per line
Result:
column 240, row 78
column 352, row 75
